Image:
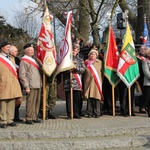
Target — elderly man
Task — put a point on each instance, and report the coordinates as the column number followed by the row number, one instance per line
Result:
column 141, row 57
column 8, row 80
column 13, row 51
column 30, row 79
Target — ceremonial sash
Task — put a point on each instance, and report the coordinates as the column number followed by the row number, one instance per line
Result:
column 17, row 67
column 78, row 79
column 9, row 65
column 96, row 78
column 30, row 61
column 141, row 57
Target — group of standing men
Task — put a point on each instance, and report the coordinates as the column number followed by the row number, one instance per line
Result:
column 11, row 80
column 87, row 79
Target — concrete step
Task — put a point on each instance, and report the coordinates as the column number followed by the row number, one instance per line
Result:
column 90, row 143
column 87, row 139
column 106, row 132
column 144, row 147
column 16, row 134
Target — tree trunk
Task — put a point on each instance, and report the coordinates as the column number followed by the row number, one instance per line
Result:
column 140, row 21
column 147, row 12
column 94, row 23
column 84, row 20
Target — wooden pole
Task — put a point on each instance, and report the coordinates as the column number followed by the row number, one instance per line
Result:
column 129, row 93
column 113, row 100
column 44, row 96
column 71, row 95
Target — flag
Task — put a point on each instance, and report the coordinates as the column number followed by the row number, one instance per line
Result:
column 64, row 55
column 128, row 69
column 145, row 37
column 111, row 59
column 46, row 51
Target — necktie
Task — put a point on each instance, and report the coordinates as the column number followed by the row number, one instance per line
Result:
column 7, row 56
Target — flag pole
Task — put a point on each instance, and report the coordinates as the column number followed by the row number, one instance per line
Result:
column 113, row 101
column 44, row 96
column 129, row 90
column 129, row 93
column 44, row 87
column 71, row 95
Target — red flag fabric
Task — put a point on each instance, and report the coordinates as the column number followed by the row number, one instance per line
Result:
column 46, row 51
column 111, row 59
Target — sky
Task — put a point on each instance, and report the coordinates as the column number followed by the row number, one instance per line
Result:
column 9, row 8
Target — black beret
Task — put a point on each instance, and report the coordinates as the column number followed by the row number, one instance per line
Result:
column 4, row 44
column 28, row 45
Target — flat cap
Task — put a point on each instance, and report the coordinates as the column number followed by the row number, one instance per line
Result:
column 4, row 44
column 27, row 45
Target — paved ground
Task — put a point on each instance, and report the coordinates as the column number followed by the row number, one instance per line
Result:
column 78, row 134
column 60, row 111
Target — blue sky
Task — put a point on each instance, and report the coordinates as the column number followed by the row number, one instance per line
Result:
column 9, row 8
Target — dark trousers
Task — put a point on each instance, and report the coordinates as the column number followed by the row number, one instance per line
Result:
column 146, row 96
column 76, row 102
column 141, row 97
column 123, row 96
column 93, row 107
column 16, row 116
column 107, row 92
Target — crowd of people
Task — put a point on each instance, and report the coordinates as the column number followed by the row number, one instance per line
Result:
column 88, row 82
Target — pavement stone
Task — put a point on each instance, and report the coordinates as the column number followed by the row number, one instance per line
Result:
column 78, row 134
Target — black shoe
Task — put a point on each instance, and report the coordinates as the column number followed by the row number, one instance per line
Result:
column 133, row 114
column 123, row 113
column 142, row 110
column 69, row 117
column 3, row 125
column 51, row 116
column 12, row 124
column 89, row 116
column 148, row 110
column 18, row 120
column 110, row 113
column 30, row 122
column 96, row 116
column 81, row 114
column 77, row 117
column 37, row 121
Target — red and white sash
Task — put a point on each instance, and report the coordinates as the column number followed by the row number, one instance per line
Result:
column 141, row 57
column 9, row 65
column 78, row 78
column 96, row 77
column 30, row 60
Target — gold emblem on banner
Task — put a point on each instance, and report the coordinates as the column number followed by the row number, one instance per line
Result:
column 49, row 60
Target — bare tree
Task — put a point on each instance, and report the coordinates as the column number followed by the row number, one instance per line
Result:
column 89, row 16
column 29, row 22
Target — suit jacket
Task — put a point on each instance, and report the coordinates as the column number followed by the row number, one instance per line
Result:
column 146, row 71
column 9, row 84
column 29, row 76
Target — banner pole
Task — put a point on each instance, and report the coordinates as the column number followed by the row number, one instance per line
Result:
column 71, row 95
column 129, row 93
column 113, row 101
column 44, row 96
